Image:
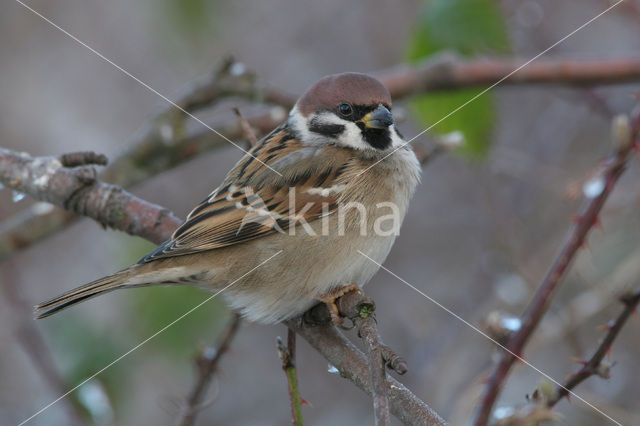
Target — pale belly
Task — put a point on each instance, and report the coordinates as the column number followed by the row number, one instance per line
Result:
column 313, row 261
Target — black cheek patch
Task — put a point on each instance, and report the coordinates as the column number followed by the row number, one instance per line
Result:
column 330, row 130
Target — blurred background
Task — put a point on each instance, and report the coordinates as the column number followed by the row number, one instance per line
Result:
column 481, row 231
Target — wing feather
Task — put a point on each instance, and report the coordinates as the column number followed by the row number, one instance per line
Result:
column 253, row 201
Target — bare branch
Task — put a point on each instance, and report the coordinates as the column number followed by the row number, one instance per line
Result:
column 607, row 177
column 352, row 364
column 79, row 191
column 595, row 366
column 207, row 363
column 246, row 127
column 360, row 310
column 448, row 72
column 142, row 162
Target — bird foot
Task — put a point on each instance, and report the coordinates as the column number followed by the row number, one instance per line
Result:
column 329, row 299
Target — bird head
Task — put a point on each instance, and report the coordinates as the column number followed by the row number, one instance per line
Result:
column 350, row 110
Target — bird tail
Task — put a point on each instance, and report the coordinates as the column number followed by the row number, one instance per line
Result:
column 84, row 292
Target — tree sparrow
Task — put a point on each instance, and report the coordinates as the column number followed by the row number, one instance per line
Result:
column 306, row 192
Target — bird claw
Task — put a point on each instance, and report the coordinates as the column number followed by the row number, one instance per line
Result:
column 329, row 299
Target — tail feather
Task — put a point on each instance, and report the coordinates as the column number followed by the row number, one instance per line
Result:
column 84, row 292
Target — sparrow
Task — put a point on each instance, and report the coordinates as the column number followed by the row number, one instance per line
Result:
column 286, row 227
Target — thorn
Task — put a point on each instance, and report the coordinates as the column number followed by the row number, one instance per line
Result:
column 579, row 361
column 585, row 245
column 305, row 402
column 597, row 223
column 608, row 352
column 568, row 398
column 606, row 327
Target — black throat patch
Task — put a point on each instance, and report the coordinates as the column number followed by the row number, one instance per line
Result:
column 377, row 138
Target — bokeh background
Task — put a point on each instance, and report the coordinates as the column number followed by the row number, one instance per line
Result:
column 481, row 231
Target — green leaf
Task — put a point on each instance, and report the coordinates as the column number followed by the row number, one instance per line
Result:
column 468, row 27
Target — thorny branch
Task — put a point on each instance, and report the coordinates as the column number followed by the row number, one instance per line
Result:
column 207, row 363
column 625, row 136
column 78, row 189
column 595, row 366
column 162, row 144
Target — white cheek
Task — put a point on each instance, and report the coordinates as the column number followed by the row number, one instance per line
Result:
column 396, row 141
column 352, row 136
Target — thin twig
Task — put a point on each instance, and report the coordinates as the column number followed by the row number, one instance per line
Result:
column 83, row 158
column 207, row 364
column 595, row 366
column 287, row 355
column 246, row 127
column 609, row 173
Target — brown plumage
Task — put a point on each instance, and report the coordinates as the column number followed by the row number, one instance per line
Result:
column 256, row 213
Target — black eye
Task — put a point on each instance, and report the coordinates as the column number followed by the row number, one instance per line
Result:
column 345, row 109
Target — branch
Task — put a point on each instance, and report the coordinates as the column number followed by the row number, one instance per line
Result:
column 79, row 191
column 605, row 180
column 45, row 179
column 352, row 364
column 449, row 72
column 287, row 356
column 594, row 366
column 360, row 310
column 207, row 364
column 142, row 162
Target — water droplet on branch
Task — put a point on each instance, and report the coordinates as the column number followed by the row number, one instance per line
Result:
column 17, row 196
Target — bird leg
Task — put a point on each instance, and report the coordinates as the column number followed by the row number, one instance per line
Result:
column 329, row 299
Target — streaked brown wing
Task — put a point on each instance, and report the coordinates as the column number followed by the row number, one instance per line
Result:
column 254, row 201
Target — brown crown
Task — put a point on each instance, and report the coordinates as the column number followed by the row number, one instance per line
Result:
column 351, row 87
